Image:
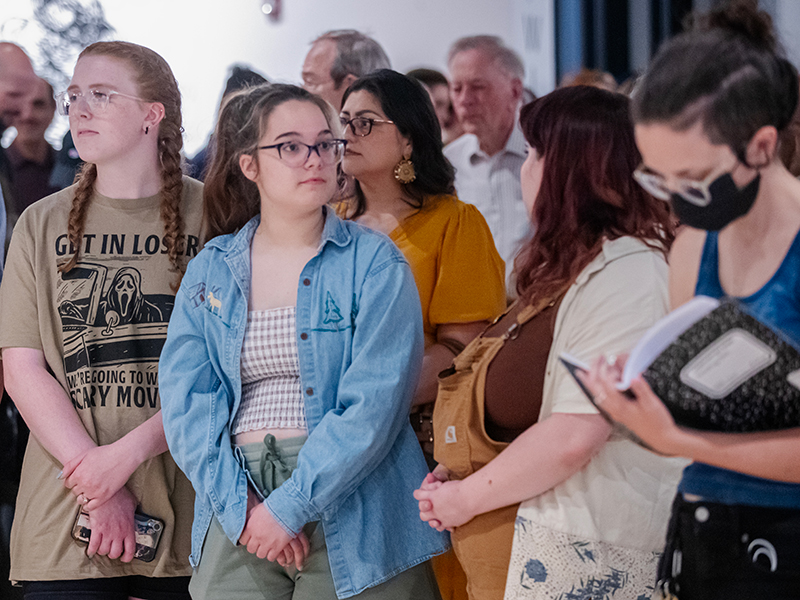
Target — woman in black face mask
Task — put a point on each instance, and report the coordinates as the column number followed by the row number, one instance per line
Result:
column 708, row 116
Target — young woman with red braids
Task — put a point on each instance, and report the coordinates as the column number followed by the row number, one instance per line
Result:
column 86, row 298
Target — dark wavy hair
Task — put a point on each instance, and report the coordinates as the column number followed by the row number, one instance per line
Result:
column 587, row 194
column 727, row 73
column 406, row 102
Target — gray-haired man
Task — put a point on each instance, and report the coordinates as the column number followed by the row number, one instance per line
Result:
column 486, row 90
column 336, row 59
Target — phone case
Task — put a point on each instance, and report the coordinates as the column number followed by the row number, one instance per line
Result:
column 148, row 533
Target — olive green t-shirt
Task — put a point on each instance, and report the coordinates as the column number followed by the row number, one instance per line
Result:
column 101, row 327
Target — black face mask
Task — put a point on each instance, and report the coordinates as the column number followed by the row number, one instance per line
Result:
column 728, row 203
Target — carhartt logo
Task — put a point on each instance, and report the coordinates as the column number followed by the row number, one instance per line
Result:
column 450, row 435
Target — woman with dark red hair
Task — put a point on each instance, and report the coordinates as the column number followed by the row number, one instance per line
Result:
column 512, row 426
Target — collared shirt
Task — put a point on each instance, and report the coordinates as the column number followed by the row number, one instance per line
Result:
column 612, row 303
column 492, row 184
column 360, row 346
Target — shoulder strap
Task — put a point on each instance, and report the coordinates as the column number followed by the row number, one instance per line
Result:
column 529, row 312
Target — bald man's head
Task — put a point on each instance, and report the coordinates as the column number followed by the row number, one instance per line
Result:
column 17, row 80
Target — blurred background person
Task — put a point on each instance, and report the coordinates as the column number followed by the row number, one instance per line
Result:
column 789, row 148
column 404, row 188
column 591, row 77
column 241, row 77
column 439, row 91
column 17, row 78
column 336, row 59
column 67, row 164
column 628, row 87
column 17, row 81
column 31, row 157
column 486, row 90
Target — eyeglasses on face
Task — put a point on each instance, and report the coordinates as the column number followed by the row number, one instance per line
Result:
column 296, row 154
column 361, row 126
column 96, row 98
column 693, row 191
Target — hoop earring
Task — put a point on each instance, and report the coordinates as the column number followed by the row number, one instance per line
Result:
column 147, row 130
column 404, row 171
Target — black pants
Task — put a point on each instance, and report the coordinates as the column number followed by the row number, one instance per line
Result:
column 113, row 588
column 718, row 551
column 13, row 438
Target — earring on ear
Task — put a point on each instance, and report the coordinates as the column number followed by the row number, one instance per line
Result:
column 147, row 130
column 404, row 171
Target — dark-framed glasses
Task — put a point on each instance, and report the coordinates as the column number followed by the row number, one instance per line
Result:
column 361, row 126
column 690, row 190
column 296, row 154
column 96, row 98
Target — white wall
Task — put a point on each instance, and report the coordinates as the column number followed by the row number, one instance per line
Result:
column 787, row 20
column 533, row 35
column 201, row 38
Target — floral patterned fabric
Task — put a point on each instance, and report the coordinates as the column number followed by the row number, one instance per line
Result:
column 551, row 565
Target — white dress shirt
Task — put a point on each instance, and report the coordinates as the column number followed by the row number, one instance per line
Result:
column 492, row 184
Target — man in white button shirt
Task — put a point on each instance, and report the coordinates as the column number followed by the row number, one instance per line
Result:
column 486, row 90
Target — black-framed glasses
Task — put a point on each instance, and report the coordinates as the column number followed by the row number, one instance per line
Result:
column 361, row 126
column 96, row 98
column 296, row 154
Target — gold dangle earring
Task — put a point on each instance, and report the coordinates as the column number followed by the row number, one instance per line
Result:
column 404, row 171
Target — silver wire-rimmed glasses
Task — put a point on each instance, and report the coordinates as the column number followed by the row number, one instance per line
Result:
column 295, row 154
column 97, row 99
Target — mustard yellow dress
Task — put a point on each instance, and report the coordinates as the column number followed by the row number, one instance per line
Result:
column 461, row 278
column 458, row 271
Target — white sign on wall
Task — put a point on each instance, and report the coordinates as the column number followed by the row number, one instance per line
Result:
column 534, row 37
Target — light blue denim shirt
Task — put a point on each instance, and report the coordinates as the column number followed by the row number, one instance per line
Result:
column 360, row 345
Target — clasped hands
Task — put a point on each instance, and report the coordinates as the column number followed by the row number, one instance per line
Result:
column 264, row 536
column 97, row 474
column 446, row 504
column 443, row 504
column 97, row 479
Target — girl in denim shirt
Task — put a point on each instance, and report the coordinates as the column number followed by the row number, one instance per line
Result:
column 292, row 356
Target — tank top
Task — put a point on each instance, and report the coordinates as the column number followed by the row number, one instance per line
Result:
column 270, row 367
column 776, row 304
